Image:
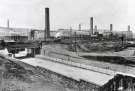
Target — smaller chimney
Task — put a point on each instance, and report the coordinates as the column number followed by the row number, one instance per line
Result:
column 8, row 23
column 91, row 25
column 111, row 27
column 79, row 27
column 95, row 28
column 128, row 27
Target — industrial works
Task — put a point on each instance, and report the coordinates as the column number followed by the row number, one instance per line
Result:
column 67, row 59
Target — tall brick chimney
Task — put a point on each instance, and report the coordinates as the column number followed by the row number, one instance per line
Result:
column 47, row 24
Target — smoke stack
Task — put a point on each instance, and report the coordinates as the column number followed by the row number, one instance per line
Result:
column 91, row 25
column 128, row 27
column 95, row 28
column 111, row 27
column 47, row 23
column 8, row 23
column 79, row 27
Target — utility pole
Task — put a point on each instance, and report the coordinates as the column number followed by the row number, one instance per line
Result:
column 70, row 35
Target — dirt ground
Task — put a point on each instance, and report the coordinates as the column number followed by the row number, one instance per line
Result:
column 17, row 76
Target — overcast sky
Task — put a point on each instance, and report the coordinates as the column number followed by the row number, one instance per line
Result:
column 66, row 13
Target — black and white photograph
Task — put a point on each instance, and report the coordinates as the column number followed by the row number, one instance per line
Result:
column 67, row 45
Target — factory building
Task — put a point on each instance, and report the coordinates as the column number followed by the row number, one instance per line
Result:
column 14, row 34
column 74, row 34
column 39, row 34
column 125, row 34
column 84, row 34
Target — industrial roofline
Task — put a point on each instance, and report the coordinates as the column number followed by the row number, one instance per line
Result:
column 125, row 74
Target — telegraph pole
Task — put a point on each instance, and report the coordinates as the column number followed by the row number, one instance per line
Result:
column 75, row 42
column 70, row 35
